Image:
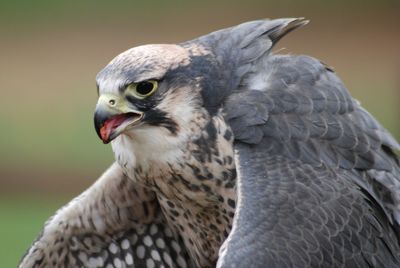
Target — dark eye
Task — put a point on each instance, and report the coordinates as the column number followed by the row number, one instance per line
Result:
column 143, row 89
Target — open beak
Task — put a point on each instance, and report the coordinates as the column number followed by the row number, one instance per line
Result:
column 111, row 118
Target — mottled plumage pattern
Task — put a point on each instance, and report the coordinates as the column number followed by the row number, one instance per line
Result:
column 240, row 158
column 115, row 223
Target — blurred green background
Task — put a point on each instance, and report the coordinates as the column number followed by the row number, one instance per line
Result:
column 50, row 52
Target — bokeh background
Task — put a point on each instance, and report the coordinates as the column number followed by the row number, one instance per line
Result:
column 50, row 52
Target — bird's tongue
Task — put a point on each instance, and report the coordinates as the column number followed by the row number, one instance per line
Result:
column 110, row 125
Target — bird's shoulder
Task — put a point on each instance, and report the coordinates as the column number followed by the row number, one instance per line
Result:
column 299, row 104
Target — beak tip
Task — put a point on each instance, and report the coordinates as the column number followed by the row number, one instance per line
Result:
column 106, row 122
column 99, row 118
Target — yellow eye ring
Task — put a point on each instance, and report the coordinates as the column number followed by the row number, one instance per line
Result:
column 143, row 89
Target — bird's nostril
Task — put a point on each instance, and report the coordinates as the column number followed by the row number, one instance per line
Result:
column 111, row 102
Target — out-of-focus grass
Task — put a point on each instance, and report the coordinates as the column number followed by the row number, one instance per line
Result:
column 22, row 218
column 57, row 139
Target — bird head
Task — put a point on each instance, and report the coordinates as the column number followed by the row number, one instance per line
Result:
column 156, row 87
column 134, row 88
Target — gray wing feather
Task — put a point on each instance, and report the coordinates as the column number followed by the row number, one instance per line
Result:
column 319, row 180
column 292, row 214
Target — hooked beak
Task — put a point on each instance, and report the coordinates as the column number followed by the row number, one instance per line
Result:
column 112, row 117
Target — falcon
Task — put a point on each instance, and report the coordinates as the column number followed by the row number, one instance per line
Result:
column 228, row 155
